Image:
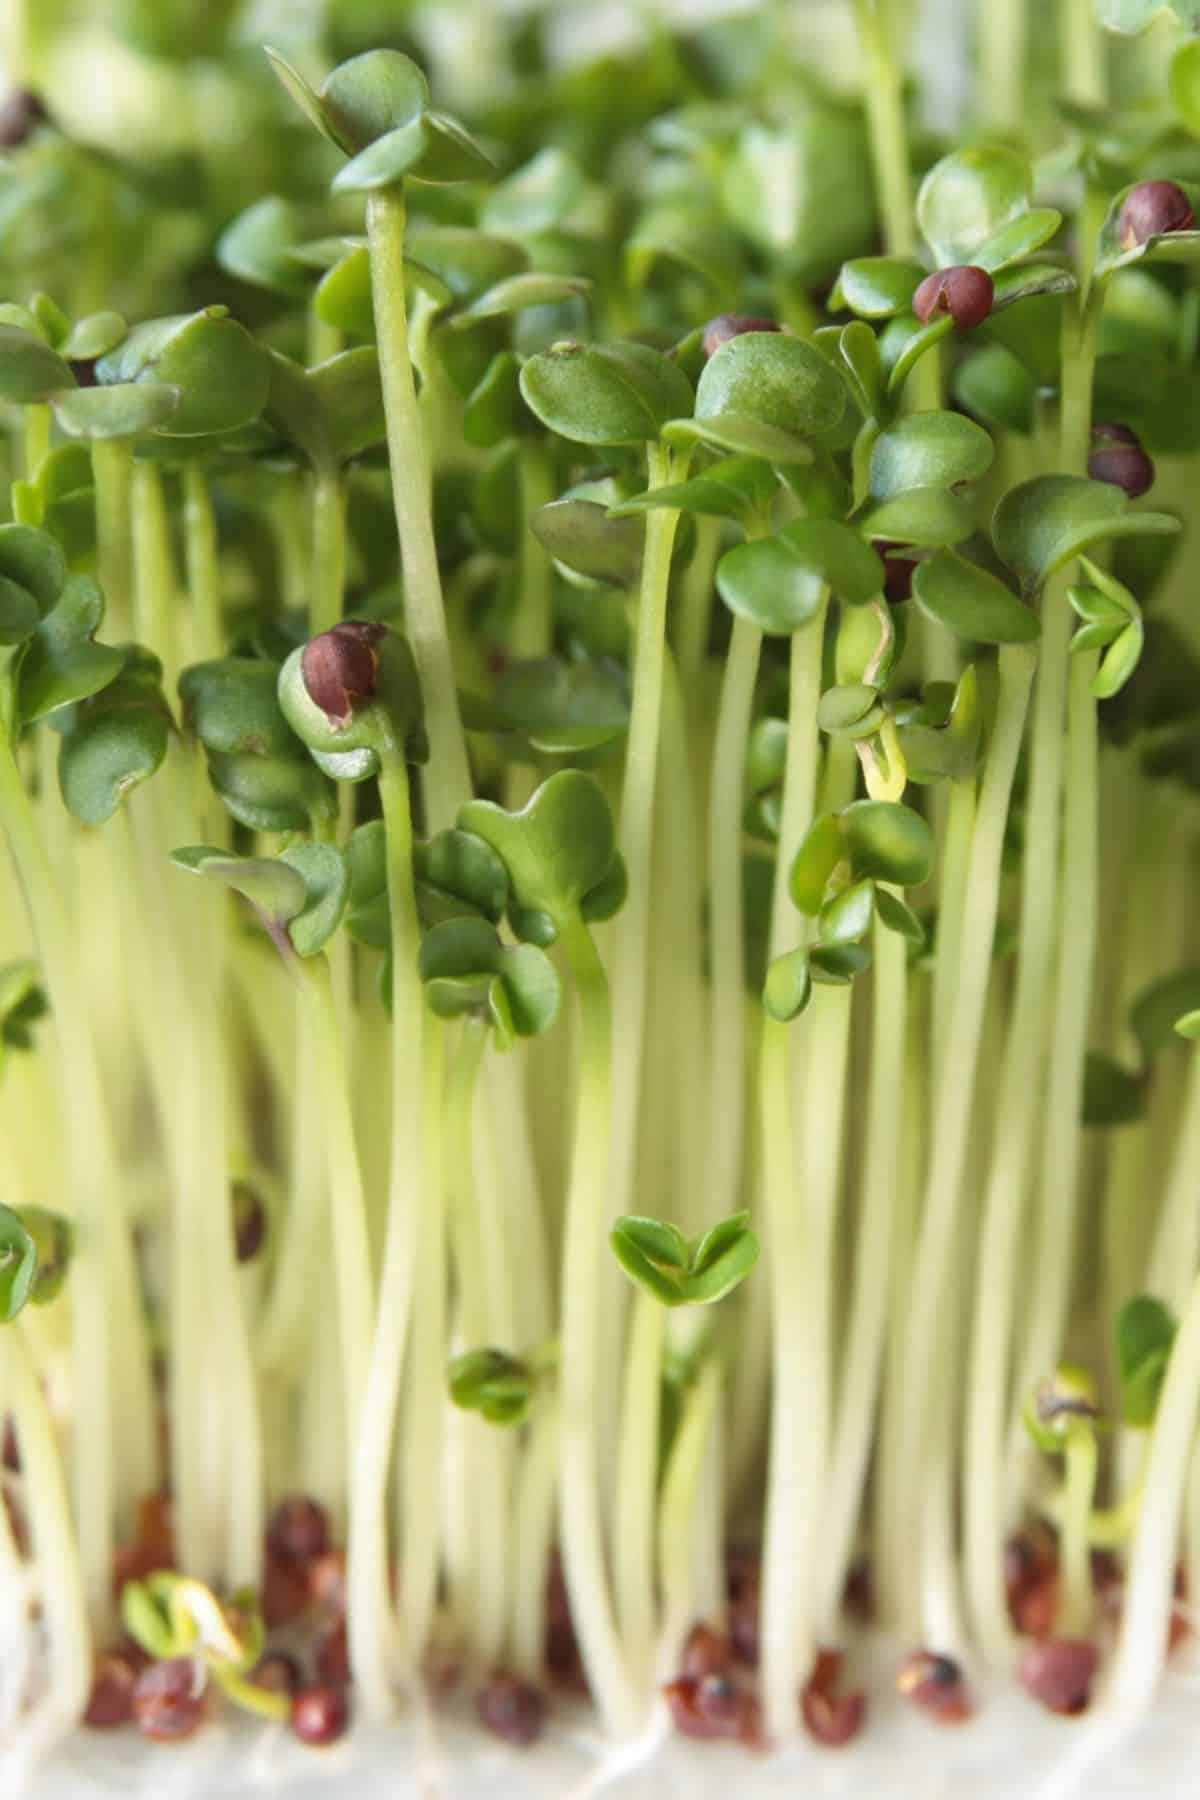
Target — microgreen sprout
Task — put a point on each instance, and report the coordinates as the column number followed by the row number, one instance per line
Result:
column 663, row 616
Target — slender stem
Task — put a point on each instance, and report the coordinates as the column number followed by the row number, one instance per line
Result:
column 154, row 572
column 800, row 771
column 1075, row 1599
column 886, row 126
column 203, row 566
column 1000, row 39
column 697, row 588
column 1082, row 51
column 1150, row 1576
column 953, row 1100
column 448, row 779
column 636, row 1477
column 368, row 1526
column 328, row 550
column 1068, row 1044
column 952, row 884
column 424, row 1407
column 282, row 1334
column 786, row 1623
column 1173, row 1258
column 484, row 1446
column 727, row 1009
column 533, row 1531
column 55, row 1543
column 857, row 1394
column 637, row 827
column 351, row 1256
column 1062, row 1146
column 112, row 471
column 589, row 1202
column 1045, row 1023
column 97, row 1286
column 677, row 1509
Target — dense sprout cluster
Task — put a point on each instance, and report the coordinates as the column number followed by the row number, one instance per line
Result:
column 665, row 1133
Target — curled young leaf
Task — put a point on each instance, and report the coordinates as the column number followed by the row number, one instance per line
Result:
column 788, row 986
column 18, row 1264
column 492, row 1383
column 1145, row 1333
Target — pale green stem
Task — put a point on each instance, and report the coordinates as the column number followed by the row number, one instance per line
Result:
column 800, row 772
column 154, row 572
column 892, row 1557
column 112, row 471
column 637, row 829
column 1082, row 51
column 533, row 1533
column 952, row 883
column 328, row 579
column 787, row 1638
column 727, row 1009
column 1062, row 1146
column 284, row 1323
column 1000, row 38
column 677, row 1507
column 682, row 1049
column 203, row 566
column 1173, row 1258
column 636, row 1474
column 482, row 1444
column 448, row 777
column 953, row 1100
column 64, row 1614
column 370, row 1653
column 425, row 1401
column 104, row 1277
column 1043, row 1061
column 351, row 1259
column 1150, row 1576
column 589, row 1204
column 886, row 126
column 696, row 590
column 1076, row 1606
column 858, row 1388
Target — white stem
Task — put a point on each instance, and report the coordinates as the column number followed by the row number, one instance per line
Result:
column 1149, row 1586
column 857, row 1395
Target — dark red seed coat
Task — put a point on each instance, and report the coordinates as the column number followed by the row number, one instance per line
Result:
column 1150, row 209
column 113, row 1681
column 1059, row 1673
column 963, row 291
column 320, row 1714
column 511, row 1709
column 169, row 1700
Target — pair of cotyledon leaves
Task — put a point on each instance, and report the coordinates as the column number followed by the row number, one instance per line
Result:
column 836, row 878
column 105, row 700
column 35, row 1252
